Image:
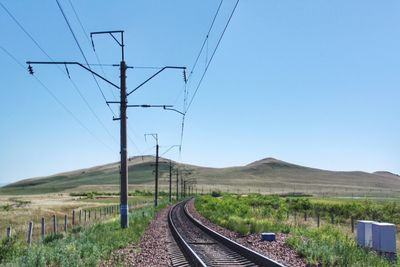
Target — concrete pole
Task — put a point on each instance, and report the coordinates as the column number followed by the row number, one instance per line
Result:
column 170, row 181
column 156, row 184
column 124, row 151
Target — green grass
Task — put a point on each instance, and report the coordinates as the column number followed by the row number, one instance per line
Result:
column 328, row 246
column 325, row 246
column 82, row 247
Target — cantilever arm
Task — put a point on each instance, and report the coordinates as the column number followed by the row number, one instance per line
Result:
column 72, row 63
column 154, row 75
column 172, row 109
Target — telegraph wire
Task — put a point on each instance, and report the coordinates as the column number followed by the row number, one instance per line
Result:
column 186, row 92
column 55, row 98
column 205, row 40
column 186, row 107
column 83, row 54
column 51, row 59
column 87, row 38
column 97, row 57
column 212, row 56
column 99, row 63
column 25, row 31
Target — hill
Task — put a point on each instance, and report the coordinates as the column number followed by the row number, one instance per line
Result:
column 268, row 175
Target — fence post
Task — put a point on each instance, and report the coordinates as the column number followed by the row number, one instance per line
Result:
column 305, row 216
column 73, row 217
column 9, row 231
column 65, row 222
column 352, row 224
column 30, row 228
column 43, row 228
column 54, row 224
column 332, row 218
column 95, row 214
column 80, row 216
column 318, row 219
column 89, row 215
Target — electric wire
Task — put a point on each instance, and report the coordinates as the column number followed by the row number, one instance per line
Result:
column 58, row 101
column 186, row 93
column 99, row 64
column 52, row 60
column 87, row 38
column 186, row 107
column 83, row 54
column 212, row 56
column 205, row 40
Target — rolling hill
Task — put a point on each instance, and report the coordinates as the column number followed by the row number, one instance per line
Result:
column 268, row 175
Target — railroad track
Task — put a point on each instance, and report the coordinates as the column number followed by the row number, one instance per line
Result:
column 202, row 246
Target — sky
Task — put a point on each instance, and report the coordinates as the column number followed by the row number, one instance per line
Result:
column 314, row 83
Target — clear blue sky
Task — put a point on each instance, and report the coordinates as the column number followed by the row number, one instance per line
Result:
column 310, row 82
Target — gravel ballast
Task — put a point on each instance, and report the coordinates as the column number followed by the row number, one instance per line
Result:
column 152, row 249
column 276, row 250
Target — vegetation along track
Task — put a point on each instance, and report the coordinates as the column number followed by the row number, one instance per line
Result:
column 205, row 247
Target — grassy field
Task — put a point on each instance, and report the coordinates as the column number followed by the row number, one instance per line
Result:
column 80, row 247
column 18, row 211
column 331, row 244
column 268, row 176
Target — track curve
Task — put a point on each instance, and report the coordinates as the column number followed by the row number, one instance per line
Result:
column 205, row 247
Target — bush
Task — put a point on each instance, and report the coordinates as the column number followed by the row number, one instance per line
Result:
column 216, row 194
column 10, row 248
column 53, row 237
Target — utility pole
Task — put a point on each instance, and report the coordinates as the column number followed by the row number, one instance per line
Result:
column 170, row 181
column 124, row 209
column 181, row 186
column 156, row 191
column 177, row 184
column 155, row 136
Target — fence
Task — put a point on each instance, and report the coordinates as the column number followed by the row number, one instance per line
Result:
column 322, row 217
column 37, row 231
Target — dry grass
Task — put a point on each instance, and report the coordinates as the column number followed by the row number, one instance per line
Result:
column 35, row 207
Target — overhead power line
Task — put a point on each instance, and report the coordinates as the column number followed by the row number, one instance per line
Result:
column 90, row 43
column 59, row 102
column 186, row 93
column 60, row 69
column 212, row 56
column 205, row 40
column 83, row 54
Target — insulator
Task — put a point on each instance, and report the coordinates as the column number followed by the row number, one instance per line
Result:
column 30, row 69
column 184, row 76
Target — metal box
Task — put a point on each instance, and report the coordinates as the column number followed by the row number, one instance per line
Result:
column 268, row 236
column 364, row 233
column 384, row 237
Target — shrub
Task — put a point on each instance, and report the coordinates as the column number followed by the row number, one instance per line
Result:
column 53, row 237
column 10, row 248
column 216, row 193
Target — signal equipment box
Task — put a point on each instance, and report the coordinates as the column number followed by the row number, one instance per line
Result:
column 364, row 233
column 384, row 237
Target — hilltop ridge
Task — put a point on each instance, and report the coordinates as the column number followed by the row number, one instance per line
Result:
column 265, row 175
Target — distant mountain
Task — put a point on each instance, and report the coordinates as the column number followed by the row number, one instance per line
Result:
column 387, row 174
column 265, row 175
